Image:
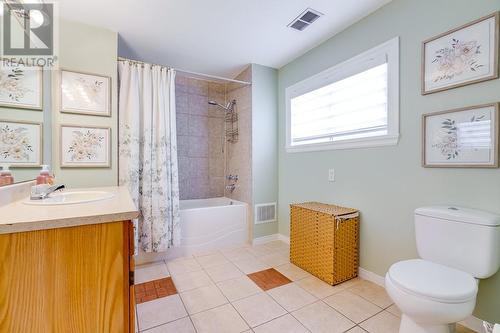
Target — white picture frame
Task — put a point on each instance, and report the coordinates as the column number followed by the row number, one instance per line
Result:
column 85, row 93
column 461, row 138
column 21, row 143
column 462, row 56
column 85, row 146
column 21, row 86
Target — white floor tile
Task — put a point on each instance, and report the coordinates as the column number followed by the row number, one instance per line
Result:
column 292, row 272
column 237, row 254
column 160, row 311
column 278, row 245
column 384, row 322
column 354, row 307
column 192, row 280
column 202, row 299
column 372, row 292
column 212, row 260
column 260, row 250
column 150, row 272
column 284, row 324
column 183, row 325
column 258, row 309
column 275, row 259
column 291, row 297
column 205, row 253
column 183, row 266
column 223, row 272
column 252, row 265
column 319, row 288
column 223, row 319
column 320, row 318
column 238, row 288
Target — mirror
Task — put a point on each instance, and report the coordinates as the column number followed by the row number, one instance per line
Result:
column 25, row 121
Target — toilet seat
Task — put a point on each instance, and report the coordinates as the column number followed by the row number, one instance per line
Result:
column 433, row 281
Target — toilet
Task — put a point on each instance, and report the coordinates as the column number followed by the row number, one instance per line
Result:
column 457, row 247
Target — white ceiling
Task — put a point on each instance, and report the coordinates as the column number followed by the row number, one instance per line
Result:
column 218, row 37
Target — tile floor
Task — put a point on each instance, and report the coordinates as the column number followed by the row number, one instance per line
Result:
column 216, row 295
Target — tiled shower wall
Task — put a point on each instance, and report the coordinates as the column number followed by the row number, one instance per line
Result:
column 240, row 153
column 200, row 138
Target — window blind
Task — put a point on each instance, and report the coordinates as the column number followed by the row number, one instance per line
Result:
column 349, row 108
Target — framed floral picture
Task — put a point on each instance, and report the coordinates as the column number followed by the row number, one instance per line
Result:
column 85, row 93
column 85, row 147
column 21, row 143
column 462, row 56
column 21, row 86
column 461, row 138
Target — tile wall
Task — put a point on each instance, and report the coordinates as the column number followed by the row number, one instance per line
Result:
column 240, row 153
column 200, row 138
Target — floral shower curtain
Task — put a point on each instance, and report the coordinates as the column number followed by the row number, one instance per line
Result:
column 148, row 152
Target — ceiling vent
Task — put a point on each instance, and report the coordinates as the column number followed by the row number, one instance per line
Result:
column 305, row 19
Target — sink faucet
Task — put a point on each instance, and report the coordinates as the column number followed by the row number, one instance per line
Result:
column 45, row 192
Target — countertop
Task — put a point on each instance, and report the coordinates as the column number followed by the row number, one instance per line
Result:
column 20, row 217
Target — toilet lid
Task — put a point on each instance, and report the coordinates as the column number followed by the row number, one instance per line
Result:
column 435, row 281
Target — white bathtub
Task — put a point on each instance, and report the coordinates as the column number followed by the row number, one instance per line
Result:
column 208, row 224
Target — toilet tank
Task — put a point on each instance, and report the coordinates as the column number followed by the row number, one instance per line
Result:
column 463, row 238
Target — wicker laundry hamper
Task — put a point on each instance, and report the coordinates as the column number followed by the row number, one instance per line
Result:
column 324, row 240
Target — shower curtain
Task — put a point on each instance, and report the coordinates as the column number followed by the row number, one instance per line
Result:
column 148, row 152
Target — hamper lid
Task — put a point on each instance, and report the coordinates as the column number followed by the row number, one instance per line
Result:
column 326, row 208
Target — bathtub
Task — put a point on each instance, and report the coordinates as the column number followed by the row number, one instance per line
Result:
column 208, row 224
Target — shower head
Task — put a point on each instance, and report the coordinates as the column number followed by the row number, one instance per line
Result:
column 228, row 107
column 217, row 104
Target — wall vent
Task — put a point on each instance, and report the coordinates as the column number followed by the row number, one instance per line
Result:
column 265, row 213
column 305, row 19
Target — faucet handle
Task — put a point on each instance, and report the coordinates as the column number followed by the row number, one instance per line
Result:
column 39, row 192
column 55, row 188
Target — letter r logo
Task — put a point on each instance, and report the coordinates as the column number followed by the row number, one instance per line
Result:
column 28, row 29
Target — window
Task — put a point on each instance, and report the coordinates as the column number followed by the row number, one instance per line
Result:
column 354, row 104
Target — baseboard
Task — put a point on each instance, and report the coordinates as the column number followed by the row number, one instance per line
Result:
column 471, row 322
column 372, row 277
column 270, row 238
column 265, row 239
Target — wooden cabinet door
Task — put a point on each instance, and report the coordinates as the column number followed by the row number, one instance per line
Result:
column 73, row 279
column 131, row 251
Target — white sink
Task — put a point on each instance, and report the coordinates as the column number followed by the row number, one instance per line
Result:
column 71, row 197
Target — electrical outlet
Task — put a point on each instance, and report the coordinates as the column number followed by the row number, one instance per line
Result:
column 331, row 175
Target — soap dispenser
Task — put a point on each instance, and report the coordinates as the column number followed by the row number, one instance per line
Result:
column 6, row 176
column 44, row 177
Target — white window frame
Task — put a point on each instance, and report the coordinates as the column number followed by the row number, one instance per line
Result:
column 390, row 50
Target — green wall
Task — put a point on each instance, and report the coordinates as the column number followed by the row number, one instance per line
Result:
column 264, row 142
column 90, row 49
column 388, row 183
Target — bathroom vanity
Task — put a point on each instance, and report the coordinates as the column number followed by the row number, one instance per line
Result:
column 68, row 267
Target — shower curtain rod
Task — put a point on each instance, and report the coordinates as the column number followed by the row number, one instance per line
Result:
column 189, row 73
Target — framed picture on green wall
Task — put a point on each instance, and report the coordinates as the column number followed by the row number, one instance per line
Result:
column 21, row 86
column 461, row 138
column 85, row 93
column 462, row 56
column 85, row 146
column 21, row 143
